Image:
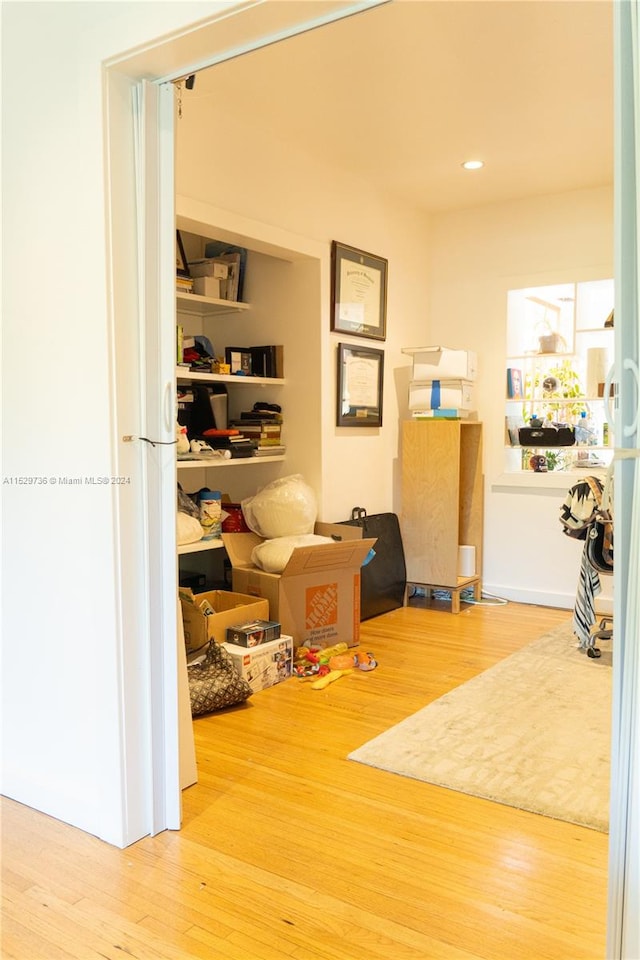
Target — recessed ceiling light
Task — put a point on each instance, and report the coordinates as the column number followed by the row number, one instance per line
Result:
column 473, row 164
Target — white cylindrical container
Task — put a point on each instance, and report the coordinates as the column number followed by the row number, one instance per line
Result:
column 466, row 561
column 211, row 514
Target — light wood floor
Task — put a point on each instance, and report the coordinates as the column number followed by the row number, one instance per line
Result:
column 288, row 850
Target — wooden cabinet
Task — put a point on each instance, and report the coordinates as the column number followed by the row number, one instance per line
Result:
column 442, row 502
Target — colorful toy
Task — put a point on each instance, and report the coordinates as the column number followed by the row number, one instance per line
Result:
column 365, row 661
column 329, row 678
column 341, row 661
column 315, row 662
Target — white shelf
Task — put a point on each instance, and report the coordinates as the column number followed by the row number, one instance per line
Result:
column 554, row 401
column 541, row 356
column 227, row 378
column 550, row 446
column 234, row 462
column 594, row 329
column 207, row 306
column 535, row 482
column 200, row 546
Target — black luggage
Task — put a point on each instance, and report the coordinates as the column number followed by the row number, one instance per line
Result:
column 384, row 578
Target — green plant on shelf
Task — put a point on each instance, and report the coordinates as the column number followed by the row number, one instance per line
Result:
column 557, row 392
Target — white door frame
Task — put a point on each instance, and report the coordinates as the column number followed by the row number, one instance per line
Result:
column 252, row 28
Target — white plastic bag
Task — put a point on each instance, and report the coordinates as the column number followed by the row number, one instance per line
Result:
column 188, row 528
column 273, row 555
column 284, row 508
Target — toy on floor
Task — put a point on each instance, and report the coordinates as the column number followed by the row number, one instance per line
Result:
column 330, row 677
column 310, row 662
column 365, row 661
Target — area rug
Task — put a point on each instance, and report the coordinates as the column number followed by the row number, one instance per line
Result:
column 531, row 732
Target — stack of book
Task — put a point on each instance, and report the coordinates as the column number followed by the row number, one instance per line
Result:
column 184, row 284
column 264, row 429
column 232, row 440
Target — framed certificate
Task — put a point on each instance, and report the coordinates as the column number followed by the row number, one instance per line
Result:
column 360, row 380
column 358, row 292
column 182, row 267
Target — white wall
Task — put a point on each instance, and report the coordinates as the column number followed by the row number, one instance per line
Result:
column 478, row 255
column 62, row 714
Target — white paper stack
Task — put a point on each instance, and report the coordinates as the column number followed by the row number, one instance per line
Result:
column 442, row 382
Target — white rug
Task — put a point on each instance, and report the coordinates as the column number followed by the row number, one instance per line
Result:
column 531, row 732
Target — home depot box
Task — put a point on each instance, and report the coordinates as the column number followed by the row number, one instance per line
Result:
column 264, row 665
column 441, row 363
column 316, row 598
column 434, row 394
column 230, row 608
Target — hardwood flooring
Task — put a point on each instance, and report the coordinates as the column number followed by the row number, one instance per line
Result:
column 289, row 850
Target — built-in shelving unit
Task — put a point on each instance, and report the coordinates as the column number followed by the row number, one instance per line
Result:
column 281, row 299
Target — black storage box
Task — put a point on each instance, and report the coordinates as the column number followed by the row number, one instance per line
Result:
column 546, row 436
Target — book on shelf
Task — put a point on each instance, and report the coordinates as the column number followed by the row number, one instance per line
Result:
column 514, row 384
column 274, row 451
column 257, row 428
column 443, row 413
column 270, row 441
column 214, row 433
column 259, row 431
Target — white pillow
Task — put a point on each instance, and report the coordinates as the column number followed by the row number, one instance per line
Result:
column 273, row 555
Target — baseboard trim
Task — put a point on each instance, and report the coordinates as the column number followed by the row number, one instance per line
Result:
column 540, row 598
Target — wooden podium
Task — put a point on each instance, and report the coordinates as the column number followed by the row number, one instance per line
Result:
column 442, row 503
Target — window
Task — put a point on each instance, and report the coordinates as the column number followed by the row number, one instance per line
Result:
column 560, row 348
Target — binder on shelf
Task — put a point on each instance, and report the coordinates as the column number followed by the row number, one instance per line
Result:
column 268, row 361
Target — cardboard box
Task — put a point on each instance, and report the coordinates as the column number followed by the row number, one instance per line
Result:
column 432, row 394
column 253, row 633
column 441, row 363
column 230, row 608
column 207, row 287
column 316, row 598
column 264, row 665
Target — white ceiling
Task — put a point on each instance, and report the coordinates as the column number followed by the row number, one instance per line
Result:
column 404, row 92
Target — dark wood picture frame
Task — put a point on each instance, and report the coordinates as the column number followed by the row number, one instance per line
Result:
column 360, row 382
column 358, row 292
